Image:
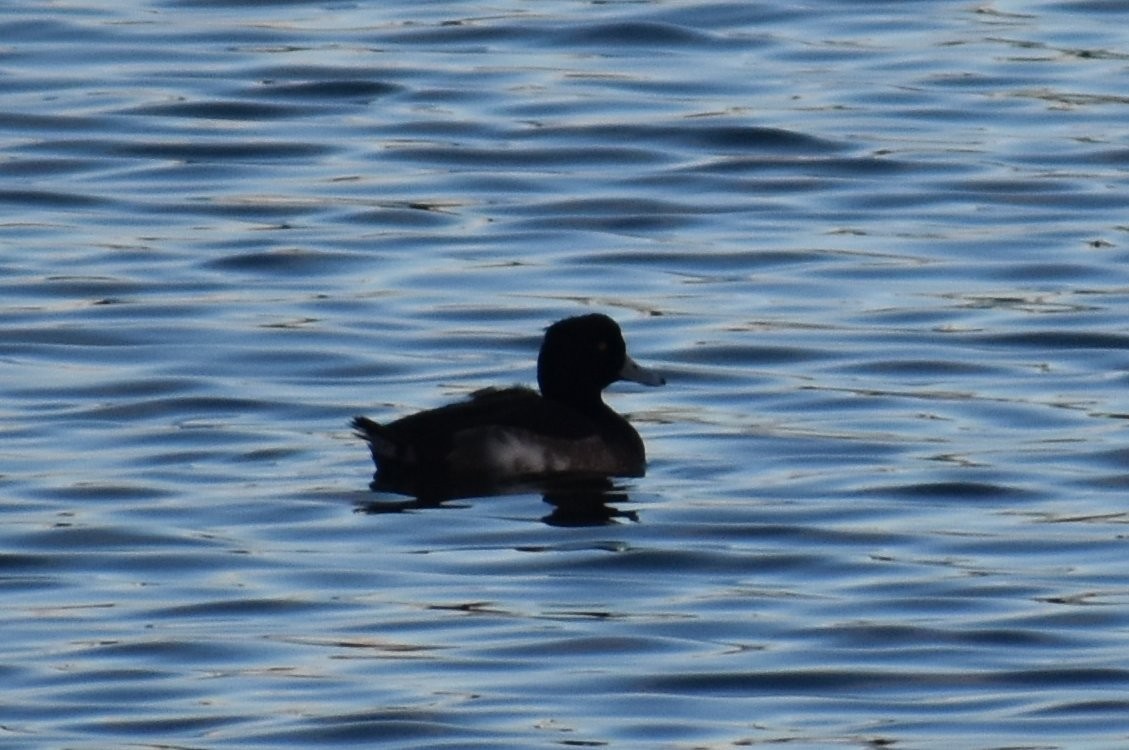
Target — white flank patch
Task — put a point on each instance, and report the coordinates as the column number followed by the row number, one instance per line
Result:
column 521, row 453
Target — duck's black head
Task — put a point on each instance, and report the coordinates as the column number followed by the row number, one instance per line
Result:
column 582, row 356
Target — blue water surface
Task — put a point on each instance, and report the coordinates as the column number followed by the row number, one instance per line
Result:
column 878, row 249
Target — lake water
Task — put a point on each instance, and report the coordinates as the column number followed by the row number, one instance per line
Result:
column 878, row 249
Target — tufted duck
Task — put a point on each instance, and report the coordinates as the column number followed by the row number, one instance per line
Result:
column 508, row 436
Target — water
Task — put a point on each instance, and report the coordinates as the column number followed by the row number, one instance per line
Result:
column 878, row 250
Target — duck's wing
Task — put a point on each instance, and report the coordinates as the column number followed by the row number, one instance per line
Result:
column 524, row 435
column 428, row 438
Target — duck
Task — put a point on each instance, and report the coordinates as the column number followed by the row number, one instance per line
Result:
column 501, row 437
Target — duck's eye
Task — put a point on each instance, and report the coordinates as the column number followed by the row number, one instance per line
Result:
column 601, row 346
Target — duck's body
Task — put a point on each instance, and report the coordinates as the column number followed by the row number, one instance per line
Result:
column 504, row 436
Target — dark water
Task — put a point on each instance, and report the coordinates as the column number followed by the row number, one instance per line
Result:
column 878, row 249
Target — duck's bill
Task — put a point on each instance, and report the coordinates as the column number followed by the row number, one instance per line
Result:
column 636, row 374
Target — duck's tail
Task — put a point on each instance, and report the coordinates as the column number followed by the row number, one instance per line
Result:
column 383, row 444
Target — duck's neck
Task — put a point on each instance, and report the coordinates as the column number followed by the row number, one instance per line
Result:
column 585, row 404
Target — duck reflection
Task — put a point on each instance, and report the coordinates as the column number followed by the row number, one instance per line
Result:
column 583, row 502
column 589, row 503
